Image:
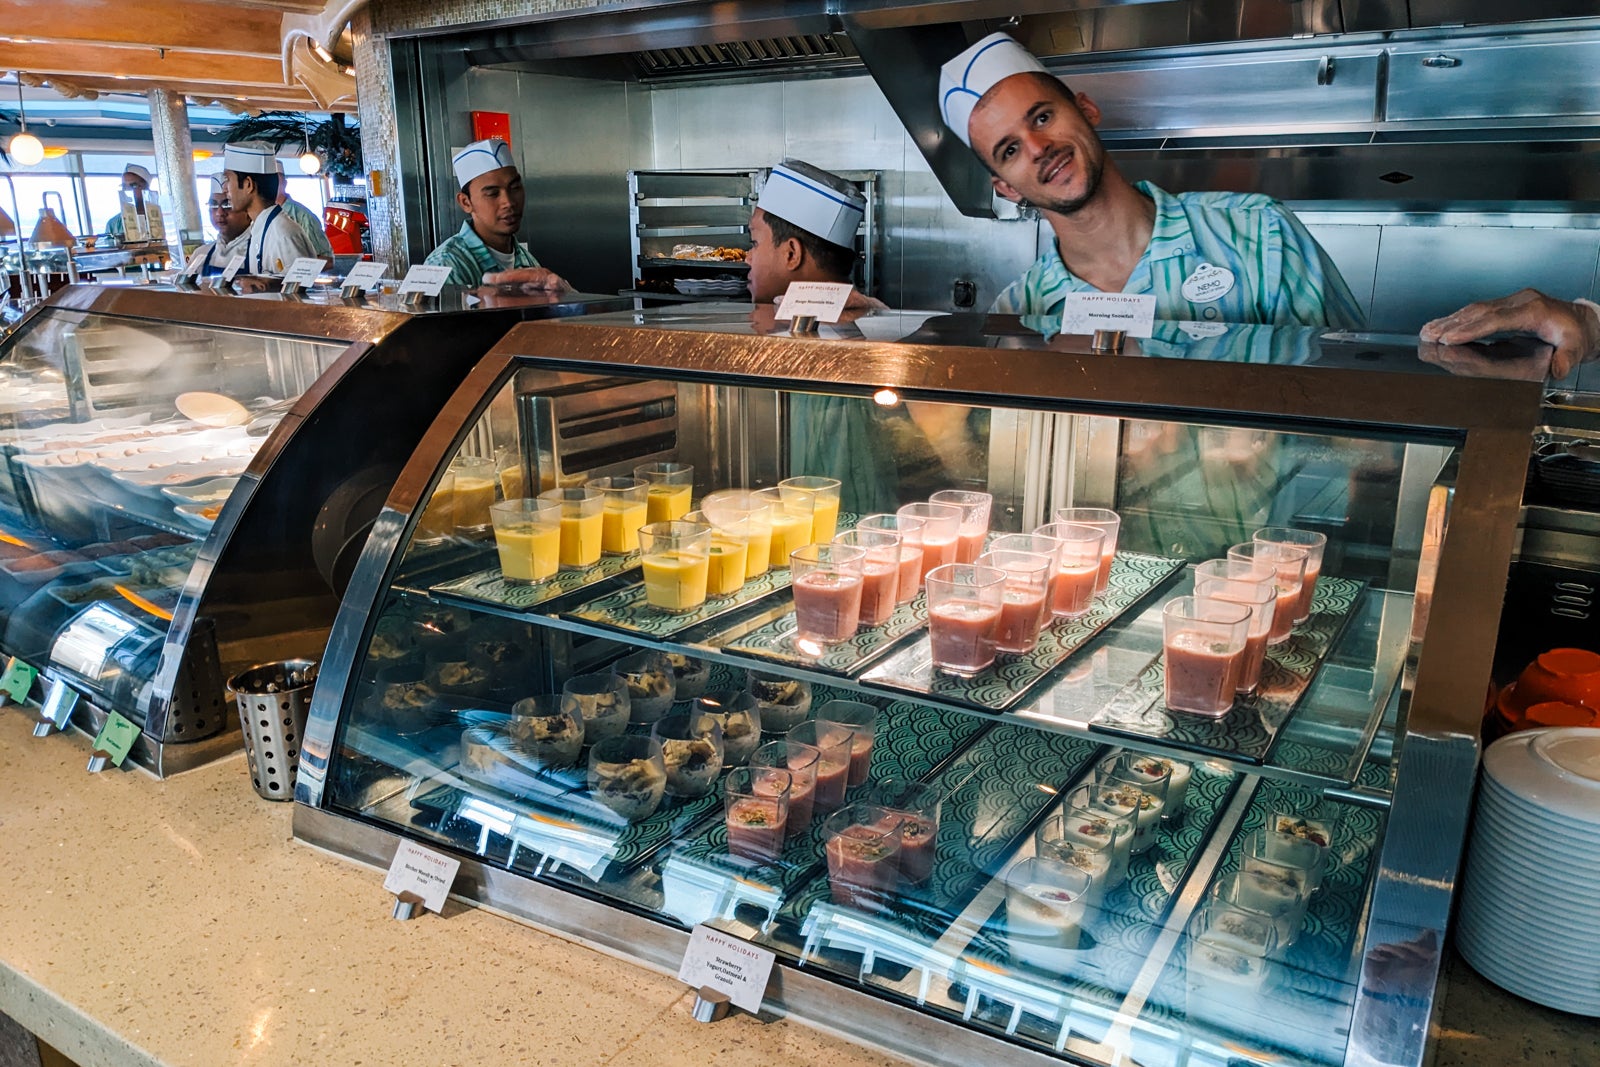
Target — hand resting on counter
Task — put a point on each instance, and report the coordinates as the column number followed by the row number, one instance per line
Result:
column 528, row 278
column 1571, row 329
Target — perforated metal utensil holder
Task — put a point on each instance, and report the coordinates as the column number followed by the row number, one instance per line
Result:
column 273, row 699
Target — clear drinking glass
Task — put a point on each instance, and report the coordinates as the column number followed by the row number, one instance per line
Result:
column 940, row 534
column 974, row 520
column 755, row 804
column 1092, row 854
column 833, row 745
column 741, row 511
column 1203, row 643
column 1045, row 902
column 527, row 535
column 622, row 512
column 800, row 761
column 738, row 715
column 862, row 843
column 919, row 805
column 1103, row 519
column 1100, row 813
column 652, row 685
column 1024, row 606
column 880, row 572
column 1130, row 787
column 826, row 582
column 785, row 702
column 1228, row 949
column 964, row 604
column 627, row 775
column 1287, row 563
column 601, row 700
column 581, row 524
column 1245, row 890
column 671, row 485
column 1315, row 545
column 1078, row 563
column 1243, row 583
column 675, row 558
column 909, row 530
column 691, row 750
column 545, row 730
column 474, row 491
column 862, row 721
column 824, row 494
column 729, row 556
column 789, row 518
column 438, row 518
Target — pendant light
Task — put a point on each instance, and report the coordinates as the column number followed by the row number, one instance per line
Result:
column 25, row 148
column 310, row 162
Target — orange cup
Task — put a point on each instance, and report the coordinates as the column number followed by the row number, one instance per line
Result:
column 1561, row 675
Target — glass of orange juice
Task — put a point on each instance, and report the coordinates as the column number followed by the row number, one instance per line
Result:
column 581, row 524
column 622, row 512
column 528, row 536
column 730, row 549
column 475, row 485
column 675, row 558
column 438, row 518
column 742, row 508
column 789, row 516
column 824, row 494
column 671, row 486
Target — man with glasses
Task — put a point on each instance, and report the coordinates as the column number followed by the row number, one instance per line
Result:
column 213, row 257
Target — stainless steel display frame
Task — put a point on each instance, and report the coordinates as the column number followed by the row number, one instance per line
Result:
column 1466, row 553
column 434, row 347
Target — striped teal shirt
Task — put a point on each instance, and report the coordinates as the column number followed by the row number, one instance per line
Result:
column 1281, row 276
column 469, row 260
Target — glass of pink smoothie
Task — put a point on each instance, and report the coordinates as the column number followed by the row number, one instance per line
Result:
column 909, row 531
column 1203, row 643
column 941, row 533
column 919, row 804
column 801, row 763
column 1287, row 563
column 1103, row 519
column 833, row 744
column 974, row 520
column 755, row 805
column 1079, row 561
column 1315, row 545
column 1025, row 605
column 1241, row 583
column 862, row 843
column 862, row 721
column 880, row 572
column 827, row 585
column 964, row 605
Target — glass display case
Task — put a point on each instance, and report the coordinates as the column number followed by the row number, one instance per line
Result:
column 890, row 700
column 188, row 477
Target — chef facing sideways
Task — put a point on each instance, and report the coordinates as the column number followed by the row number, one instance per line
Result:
column 485, row 251
column 303, row 217
column 804, row 230
column 232, row 225
column 273, row 241
column 1205, row 256
column 136, row 180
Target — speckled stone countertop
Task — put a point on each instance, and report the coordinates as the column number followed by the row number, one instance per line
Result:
column 148, row 922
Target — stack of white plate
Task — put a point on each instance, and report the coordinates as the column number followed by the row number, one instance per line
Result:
column 710, row 286
column 1528, row 903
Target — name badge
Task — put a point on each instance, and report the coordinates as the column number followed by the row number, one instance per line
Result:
column 1207, row 284
column 1132, row 313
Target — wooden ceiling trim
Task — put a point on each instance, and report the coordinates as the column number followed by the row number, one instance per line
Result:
column 173, row 24
column 139, row 62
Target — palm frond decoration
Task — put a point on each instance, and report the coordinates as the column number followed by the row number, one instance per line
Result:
column 335, row 140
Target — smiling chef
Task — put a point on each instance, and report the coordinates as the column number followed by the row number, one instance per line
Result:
column 1217, row 257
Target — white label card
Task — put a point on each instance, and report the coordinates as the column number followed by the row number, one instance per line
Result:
column 823, row 301
column 425, row 280
column 364, row 276
column 235, row 265
column 303, row 271
column 422, row 871
column 730, row 964
column 1132, row 313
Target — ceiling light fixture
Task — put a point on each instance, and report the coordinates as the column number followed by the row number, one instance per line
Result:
column 25, row 148
column 310, row 162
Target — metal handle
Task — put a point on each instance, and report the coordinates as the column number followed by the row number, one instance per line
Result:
column 1441, row 62
column 1325, row 71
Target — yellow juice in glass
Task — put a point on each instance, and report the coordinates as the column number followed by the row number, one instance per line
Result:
column 668, row 502
column 511, row 483
column 528, row 552
column 439, row 517
column 622, row 519
column 675, row 581
column 789, row 532
column 758, row 557
column 727, row 566
column 580, row 539
column 824, row 519
column 474, row 496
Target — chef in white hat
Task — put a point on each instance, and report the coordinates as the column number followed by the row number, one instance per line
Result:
column 232, row 226
column 485, row 251
column 1220, row 257
column 303, row 217
column 273, row 241
column 136, row 180
column 804, row 230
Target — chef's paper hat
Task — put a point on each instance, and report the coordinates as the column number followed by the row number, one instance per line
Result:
column 818, row 202
column 480, row 157
column 250, row 157
column 220, row 180
column 964, row 80
column 138, row 172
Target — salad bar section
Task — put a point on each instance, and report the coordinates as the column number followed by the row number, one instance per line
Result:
column 989, row 776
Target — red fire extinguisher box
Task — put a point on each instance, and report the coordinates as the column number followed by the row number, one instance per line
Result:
column 486, row 124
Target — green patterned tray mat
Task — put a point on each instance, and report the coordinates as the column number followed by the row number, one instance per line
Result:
column 1134, row 576
column 995, row 792
column 1311, row 985
column 489, row 585
column 911, row 741
column 775, row 641
column 1250, row 727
